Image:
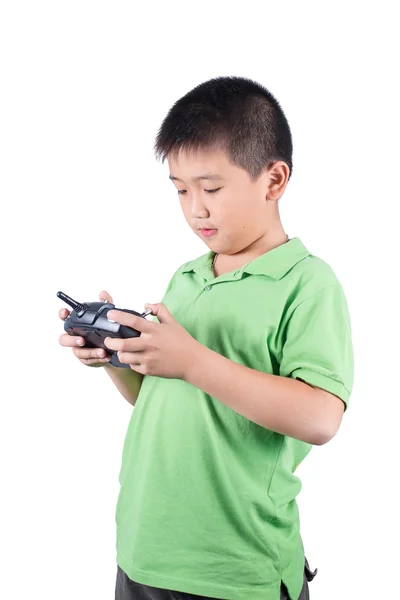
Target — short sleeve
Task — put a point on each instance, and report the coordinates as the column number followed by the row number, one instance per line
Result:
column 317, row 345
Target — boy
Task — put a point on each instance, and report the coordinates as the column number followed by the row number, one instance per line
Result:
column 248, row 363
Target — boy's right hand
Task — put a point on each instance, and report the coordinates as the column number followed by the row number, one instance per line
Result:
column 87, row 356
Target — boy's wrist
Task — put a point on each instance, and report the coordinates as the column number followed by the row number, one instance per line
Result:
column 194, row 362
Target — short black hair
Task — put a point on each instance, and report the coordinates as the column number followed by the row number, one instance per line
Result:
column 236, row 114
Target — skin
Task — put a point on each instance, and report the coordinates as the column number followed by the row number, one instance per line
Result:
column 244, row 212
column 246, row 216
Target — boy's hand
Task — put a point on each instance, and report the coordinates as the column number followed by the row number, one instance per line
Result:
column 91, row 357
column 164, row 349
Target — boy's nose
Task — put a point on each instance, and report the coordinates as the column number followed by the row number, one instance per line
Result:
column 199, row 212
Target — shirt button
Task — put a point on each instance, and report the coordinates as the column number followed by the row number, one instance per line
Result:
column 208, row 288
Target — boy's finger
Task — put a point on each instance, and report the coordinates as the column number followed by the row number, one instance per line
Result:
column 138, row 344
column 71, row 340
column 85, row 354
column 63, row 313
column 105, row 296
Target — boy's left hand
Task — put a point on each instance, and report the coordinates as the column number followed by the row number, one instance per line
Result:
column 163, row 349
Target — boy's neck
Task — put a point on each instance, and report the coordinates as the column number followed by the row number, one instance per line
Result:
column 225, row 263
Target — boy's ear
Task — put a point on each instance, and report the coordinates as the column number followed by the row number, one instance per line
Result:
column 278, row 178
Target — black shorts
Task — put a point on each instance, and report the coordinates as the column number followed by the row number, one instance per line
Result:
column 126, row 589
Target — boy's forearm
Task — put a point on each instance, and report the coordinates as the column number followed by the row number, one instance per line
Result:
column 127, row 382
column 281, row 404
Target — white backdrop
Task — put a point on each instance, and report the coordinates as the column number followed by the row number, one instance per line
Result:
column 86, row 207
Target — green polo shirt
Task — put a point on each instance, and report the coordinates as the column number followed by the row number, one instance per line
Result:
column 207, row 503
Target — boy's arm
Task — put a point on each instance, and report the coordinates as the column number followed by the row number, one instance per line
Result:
column 307, row 399
column 281, row 404
column 127, row 382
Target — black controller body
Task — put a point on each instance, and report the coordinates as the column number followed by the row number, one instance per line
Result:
column 91, row 323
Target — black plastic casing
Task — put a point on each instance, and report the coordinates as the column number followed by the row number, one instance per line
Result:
column 92, row 324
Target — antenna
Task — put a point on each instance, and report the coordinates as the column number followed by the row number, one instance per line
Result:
column 79, row 307
column 76, row 305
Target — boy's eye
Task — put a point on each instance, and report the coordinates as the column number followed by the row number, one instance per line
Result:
column 208, row 191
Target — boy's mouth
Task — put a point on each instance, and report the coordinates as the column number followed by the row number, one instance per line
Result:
column 208, row 232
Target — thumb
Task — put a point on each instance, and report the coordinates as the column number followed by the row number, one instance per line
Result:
column 105, row 296
column 161, row 312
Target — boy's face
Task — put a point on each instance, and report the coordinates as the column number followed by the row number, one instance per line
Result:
column 241, row 211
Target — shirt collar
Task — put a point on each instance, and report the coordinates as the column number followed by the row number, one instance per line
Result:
column 275, row 263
